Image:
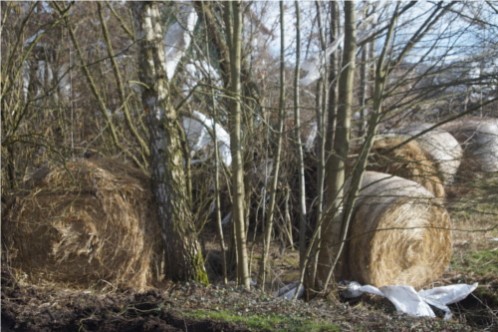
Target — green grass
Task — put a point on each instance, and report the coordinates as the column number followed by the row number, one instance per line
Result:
column 265, row 322
column 475, row 194
column 480, row 263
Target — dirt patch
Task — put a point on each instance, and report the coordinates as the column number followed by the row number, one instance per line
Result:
column 170, row 308
column 31, row 308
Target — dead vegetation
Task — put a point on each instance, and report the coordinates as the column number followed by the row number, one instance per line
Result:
column 191, row 307
column 440, row 145
column 400, row 234
column 82, row 223
column 408, row 160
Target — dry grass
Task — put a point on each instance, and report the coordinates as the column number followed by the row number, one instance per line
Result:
column 474, row 215
column 88, row 222
column 441, row 146
column 408, row 161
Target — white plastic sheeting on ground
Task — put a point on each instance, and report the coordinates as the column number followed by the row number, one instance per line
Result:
column 405, row 298
column 200, row 131
column 291, row 291
column 418, row 304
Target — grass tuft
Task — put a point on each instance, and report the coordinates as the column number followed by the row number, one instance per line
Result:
column 265, row 322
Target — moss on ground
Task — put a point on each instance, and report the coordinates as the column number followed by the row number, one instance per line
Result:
column 265, row 322
column 480, row 263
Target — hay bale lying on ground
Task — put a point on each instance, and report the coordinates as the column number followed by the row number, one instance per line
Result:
column 479, row 140
column 441, row 146
column 408, row 161
column 399, row 235
column 89, row 221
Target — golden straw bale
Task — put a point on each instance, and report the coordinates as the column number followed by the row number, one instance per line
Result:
column 83, row 223
column 441, row 146
column 479, row 140
column 408, row 161
column 399, row 235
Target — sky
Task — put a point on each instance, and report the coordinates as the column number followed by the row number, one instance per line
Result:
column 454, row 31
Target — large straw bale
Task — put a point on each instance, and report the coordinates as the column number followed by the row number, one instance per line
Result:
column 442, row 147
column 479, row 140
column 408, row 161
column 87, row 221
column 400, row 234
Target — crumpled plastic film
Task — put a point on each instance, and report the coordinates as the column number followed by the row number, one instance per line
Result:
column 417, row 304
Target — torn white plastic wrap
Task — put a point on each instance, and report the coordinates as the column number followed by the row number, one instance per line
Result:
column 315, row 65
column 178, row 37
column 418, row 304
column 200, row 130
column 291, row 291
column 198, row 70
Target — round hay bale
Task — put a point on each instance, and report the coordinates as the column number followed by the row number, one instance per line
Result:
column 441, row 146
column 479, row 140
column 83, row 223
column 399, row 235
column 408, row 161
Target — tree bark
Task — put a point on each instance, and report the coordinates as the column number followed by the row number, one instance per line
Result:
column 233, row 22
column 184, row 260
column 299, row 147
column 335, row 173
column 274, row 179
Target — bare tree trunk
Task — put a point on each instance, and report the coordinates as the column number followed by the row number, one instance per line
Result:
column 381, row 73
column 121, row 87
column 363, row 93
column 276, row 169
column 184, row 260
column 233, row 21
column 217, row 194
column 335, row 175
column 332, row 81
column 299, row 147
column 321, row 116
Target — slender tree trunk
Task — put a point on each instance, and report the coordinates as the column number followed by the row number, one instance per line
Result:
column 336, row 175
column 321, row 116
column 120, row 84
column 332, row 81
column 184, row 259
column 363, row 93
column 233, row 21
column 299, row 146
column 217, row 194
column 276, row 169
column 92, row 84
column 381, row 74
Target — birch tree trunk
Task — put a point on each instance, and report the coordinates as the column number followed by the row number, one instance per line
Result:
column 184, row 259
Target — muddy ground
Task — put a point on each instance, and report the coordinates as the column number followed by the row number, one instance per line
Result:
column 54, row 308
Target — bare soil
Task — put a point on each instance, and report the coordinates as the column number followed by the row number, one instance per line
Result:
column 54, row 308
